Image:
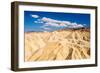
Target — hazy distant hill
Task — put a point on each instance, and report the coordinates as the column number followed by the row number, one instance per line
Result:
column 64, row 44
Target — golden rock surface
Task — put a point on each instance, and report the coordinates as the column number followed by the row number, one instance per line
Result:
column 57, row 45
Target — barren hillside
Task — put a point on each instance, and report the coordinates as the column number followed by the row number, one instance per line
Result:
column 68, row 44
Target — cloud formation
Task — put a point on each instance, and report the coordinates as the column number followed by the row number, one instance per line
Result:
column 38, row 21
column 45, row 19
column 47, row 28
column 46, row 22
column 58, row 23
column 54, row 24
column 35, row 16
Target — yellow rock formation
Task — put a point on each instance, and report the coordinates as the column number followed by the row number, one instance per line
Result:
column 58, row 45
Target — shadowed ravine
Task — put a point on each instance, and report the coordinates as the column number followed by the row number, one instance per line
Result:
column 58, row 45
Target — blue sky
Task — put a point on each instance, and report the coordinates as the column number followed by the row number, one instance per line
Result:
column 51, row 21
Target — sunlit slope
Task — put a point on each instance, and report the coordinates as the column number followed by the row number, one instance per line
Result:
column 58, row 45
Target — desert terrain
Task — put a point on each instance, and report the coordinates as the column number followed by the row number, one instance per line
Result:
column 66, row 44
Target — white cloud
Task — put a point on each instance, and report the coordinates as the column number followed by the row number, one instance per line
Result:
column 63, row 24
column 35, row 21
column 38, row 21
column 35, row 16
column 66, row 22
column 76, row 25
column 46, row 28
column 58, row 23
column 45, row 19
column 55, row 24
column 51, row 24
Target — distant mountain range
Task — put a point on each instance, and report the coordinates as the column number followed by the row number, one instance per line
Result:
column 72, row 29
column 80, row 28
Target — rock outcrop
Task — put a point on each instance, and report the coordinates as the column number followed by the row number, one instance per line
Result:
column 69, row 44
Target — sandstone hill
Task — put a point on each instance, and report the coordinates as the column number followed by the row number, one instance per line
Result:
column 66, row 44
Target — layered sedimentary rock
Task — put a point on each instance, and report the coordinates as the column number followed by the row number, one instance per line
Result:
column 67, row 44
